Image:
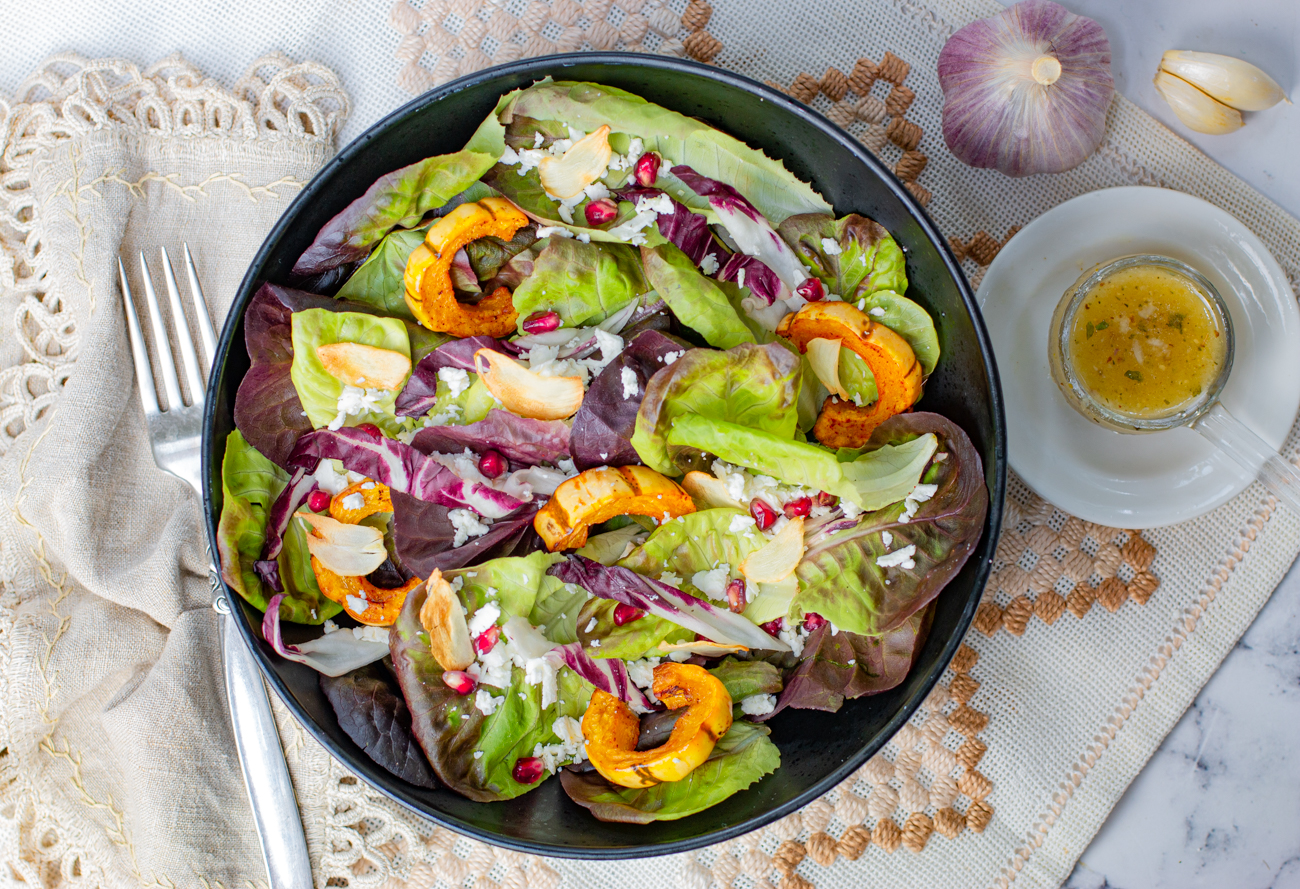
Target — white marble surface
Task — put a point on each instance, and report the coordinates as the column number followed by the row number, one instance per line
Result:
column 1219, row 803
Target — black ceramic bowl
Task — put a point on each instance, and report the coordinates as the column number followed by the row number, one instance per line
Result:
column 818, row 750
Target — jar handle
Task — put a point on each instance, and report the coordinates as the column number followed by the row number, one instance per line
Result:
column 1228, row 434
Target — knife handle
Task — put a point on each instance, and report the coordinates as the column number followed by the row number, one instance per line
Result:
column 266, row 775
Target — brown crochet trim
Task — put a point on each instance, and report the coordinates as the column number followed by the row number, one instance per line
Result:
column 876, row 121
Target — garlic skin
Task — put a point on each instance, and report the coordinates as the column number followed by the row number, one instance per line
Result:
column 1027, row 90
column 1230, row 81
column 1196, row 109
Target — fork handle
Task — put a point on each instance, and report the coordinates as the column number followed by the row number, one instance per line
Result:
column 266, row 776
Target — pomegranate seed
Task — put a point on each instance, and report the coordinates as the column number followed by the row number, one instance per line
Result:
column 736, row 595
column 459, row 681
column 646, row 170
column 811, row 290
column 812, row 620
column 773, row 627
column 372, row 430
column 492, row 464
column 763, row 514
column 542, row 322
column 601, row 211
column 802, row 506
column 625, row 614
column 487, row 640
column 527, row 770
column 824, row 499
column 319, row 501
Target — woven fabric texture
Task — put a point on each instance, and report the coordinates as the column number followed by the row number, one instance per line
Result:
column 1090, row 643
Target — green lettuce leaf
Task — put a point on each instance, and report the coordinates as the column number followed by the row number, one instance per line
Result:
column 470, row 406
column 451, row 729
column 908, row 320
column 584, row 283
column 856, row 378
column 879, row 477
column 698, row 301
column 867, row 260
column 520, row 587
column 678, row 138
column 380, row 280
column 638, row 639
column 317, row 389
column 749, row 385
column 839, row 577
column 745, row 678
column 741, row 757
column 249, row 485
column 697, row 541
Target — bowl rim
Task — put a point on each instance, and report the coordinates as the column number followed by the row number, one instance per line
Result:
column 541, row 66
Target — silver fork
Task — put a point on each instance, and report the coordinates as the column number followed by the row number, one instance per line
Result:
column 175, row 434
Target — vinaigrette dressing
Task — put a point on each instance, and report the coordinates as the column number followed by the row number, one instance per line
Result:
column 1144, row 341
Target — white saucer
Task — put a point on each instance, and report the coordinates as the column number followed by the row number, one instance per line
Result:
column 1137, row 481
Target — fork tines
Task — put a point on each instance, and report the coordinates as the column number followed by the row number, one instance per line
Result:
column 195, row 379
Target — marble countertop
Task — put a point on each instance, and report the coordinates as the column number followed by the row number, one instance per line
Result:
column 1218, row 805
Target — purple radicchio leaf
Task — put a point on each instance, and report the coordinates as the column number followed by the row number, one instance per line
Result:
column 267, row 408
column 603, row 426
column 750, row 230
column 332, row 654
column 607, row 674
column 421, row 390
column 402, row 468
column 688, row 230
column 835, row 666
column 372, row 712
column 424, row 536
column 839, row 577
column 295, row 493
column 521, row 440
column 657, row 598
column 750, row 272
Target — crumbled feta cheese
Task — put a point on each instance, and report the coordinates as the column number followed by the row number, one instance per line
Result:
column 851, row 510
column 456, row 378
column 609, row 344
column 538, row 140
column 630, row 385
column 356, row 604
column 467, row 525
column 596, row 191
column 642, row 672
column 591, row 625
column 671, row 579
column 679, row 655
column 741, row 523
column 922, row 493
column 712, row 583
column 367, row 486
column 559, row 231
column 795, row 637
column 831, row 247
column 877, row 312
column 353, row 402
column 709, row 264
column 494, row 667
column 910, row 507
column 940, row 458
column 370, row 634
column 758, row 705
column 635, row 149
column 899, row 559
column 887, row 539
column 670, row 357
column 487, row 705
column 740, row 278
column 572, row 746
column 330, row 477
column 484, row 619
column 852, row 661
column 541, row 671
column 595, row 643
column 355, row 500
column 330, row 626
column 509, row 157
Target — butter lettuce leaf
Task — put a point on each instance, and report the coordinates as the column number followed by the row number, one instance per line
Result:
column 908, row 320
column 740, row 759
column 584, row 283
column 748, row 385
column 839, row 575
column 698, row 301
column 637, row 639
column 317, row 389
column 697, row 541
column 380, row 281
column 864, row 259
column 250, row 484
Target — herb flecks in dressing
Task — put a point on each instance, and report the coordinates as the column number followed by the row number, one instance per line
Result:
column 1145, row 342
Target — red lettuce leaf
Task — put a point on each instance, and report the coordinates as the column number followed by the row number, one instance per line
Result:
column 372, row 712
column 421, row 389
column 603, row 426
column 423, row 535
column 521, row 440
column 267, row 409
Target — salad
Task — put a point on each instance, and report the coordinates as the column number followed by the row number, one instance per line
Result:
column 587, row 450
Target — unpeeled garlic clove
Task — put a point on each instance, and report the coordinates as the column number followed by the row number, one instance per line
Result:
column 1230, row 81
column 1196, row 109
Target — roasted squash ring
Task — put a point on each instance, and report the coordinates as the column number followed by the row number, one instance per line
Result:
column 611, row 728
column 429, row 290
column 893, row 363
column 597, row 495
column 382, row 606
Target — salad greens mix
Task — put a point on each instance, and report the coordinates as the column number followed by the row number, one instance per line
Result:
column 592, row 451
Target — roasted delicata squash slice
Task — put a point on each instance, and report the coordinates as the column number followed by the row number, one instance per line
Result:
column 343, row 552
column 597, row 495
column 611, row 728
column 429, row 290
column 893, row 363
